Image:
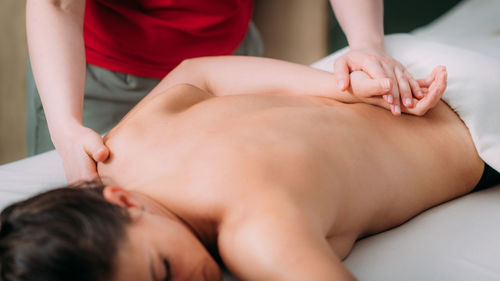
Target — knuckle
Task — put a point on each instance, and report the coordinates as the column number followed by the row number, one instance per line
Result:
column 391, row 74
column 369, row 56
column 400, row 75
column 387, row 60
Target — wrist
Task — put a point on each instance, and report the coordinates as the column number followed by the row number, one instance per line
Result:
column 375, row 44
column 61, row 132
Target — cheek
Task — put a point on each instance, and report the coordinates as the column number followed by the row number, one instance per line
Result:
column 132, row 261
column 187, row 256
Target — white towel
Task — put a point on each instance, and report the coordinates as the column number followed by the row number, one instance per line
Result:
column 473, row 85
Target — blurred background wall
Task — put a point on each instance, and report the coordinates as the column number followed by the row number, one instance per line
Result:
column 293, row 30
column 12, row 80
column 301, row 31
column 399, row 16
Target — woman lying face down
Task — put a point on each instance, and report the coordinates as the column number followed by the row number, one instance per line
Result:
column 259, row 162
column 89, row 232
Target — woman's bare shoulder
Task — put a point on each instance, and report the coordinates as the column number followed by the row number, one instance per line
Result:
column 169, row 102
column 127, row 139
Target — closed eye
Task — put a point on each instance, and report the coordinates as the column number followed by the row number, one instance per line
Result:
column 168, row 276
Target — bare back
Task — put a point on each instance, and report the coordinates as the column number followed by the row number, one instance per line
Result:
column 352, row 169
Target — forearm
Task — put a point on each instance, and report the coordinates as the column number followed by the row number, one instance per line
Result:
column 362, row 22
column 249, row 75
column 55, row 40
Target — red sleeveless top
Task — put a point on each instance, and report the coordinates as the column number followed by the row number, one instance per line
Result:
column 150, row 37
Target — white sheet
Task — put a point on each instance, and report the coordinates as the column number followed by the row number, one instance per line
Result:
column 456, row 241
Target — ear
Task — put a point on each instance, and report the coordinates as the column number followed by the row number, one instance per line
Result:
column 121, row 197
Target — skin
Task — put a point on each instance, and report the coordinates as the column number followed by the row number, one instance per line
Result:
column 278, row 180
column 57, row 53
column 362, row 22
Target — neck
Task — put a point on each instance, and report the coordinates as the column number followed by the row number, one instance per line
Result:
column 202, row 227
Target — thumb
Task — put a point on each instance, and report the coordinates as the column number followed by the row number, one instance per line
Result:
column 96, row 149
column 378, row 87
column 341, row 71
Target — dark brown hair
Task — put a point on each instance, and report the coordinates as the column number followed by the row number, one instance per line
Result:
column 70, row 233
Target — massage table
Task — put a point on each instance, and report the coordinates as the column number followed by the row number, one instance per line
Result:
column 458, row 240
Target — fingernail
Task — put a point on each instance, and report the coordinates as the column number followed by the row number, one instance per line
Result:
column 397, row 109
column 386, row 85
column 390, row 99
column 408, row 101
column 341, row 85
column 419, row 93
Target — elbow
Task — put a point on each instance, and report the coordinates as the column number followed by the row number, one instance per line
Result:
column 189, row 70
column 185, row 65
column 67, row 6
column 192, row 64
column 185, row 70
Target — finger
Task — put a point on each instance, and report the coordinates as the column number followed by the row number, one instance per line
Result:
column 375, row 70
column 434, row 95
column 394, row 93
column 97, row 150
column 439, row 85
column 427, row 81
column 422, row 106
column 101, row 155
column 415, row 88
column 341, row 71
column 86, row 171
column 404, row 88
column 377, row 87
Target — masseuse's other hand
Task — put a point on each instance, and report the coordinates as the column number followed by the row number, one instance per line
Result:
column 80, row 148
column 370, row 90
column 404, row 88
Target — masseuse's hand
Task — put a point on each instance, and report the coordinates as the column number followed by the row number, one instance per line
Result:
column 404, row 88
column 369, row 90
column 80, row 149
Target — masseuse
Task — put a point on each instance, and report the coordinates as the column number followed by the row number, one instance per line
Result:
column 94, row 60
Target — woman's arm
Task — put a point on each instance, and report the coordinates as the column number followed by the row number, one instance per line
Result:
column 362, row 22
column 278, row 243
column 232, row 75
column 57, row 52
